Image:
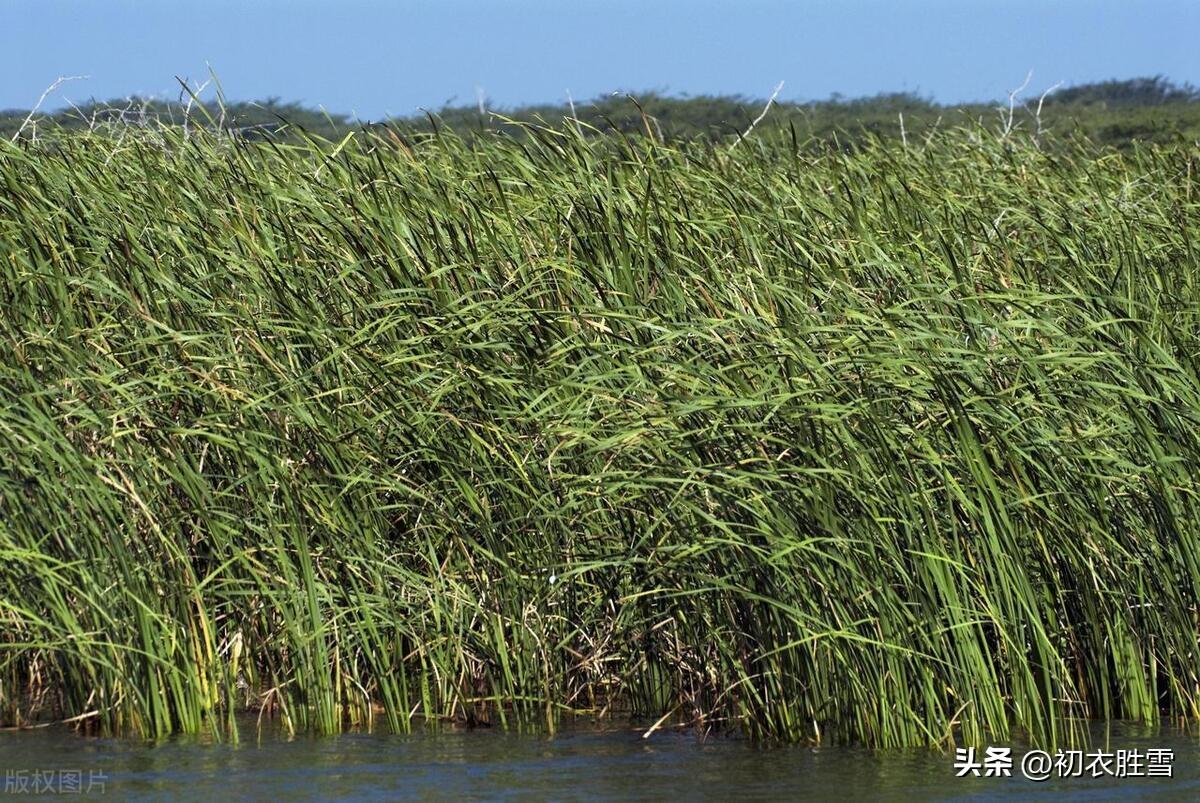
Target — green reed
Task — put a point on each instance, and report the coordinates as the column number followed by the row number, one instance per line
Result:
column 893, row 446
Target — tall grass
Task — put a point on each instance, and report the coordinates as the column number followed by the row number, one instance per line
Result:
column 894, row 446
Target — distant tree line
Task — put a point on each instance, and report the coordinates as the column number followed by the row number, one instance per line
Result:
column 1116, row 112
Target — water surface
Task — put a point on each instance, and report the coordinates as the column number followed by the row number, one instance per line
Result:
column 580, row 764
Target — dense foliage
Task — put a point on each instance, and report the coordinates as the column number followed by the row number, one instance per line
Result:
column 1111, row 112
column 894, row 445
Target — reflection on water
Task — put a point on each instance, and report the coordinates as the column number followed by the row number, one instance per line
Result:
column 581, row 764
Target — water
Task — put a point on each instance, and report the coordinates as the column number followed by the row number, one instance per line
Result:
column 582, row 764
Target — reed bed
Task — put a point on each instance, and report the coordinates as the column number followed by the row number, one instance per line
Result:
column 891, row 446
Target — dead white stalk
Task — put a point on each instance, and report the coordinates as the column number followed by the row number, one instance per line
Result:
column 91, row 124
column 187, row 109
column 1012, row 106
column 760, row 117
column 1037, row 116
column 932, row 131
column 62, row 79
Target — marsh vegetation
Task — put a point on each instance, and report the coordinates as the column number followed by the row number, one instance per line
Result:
column 891, row 444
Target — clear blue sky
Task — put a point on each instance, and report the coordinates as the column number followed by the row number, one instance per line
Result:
column 375, row 58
